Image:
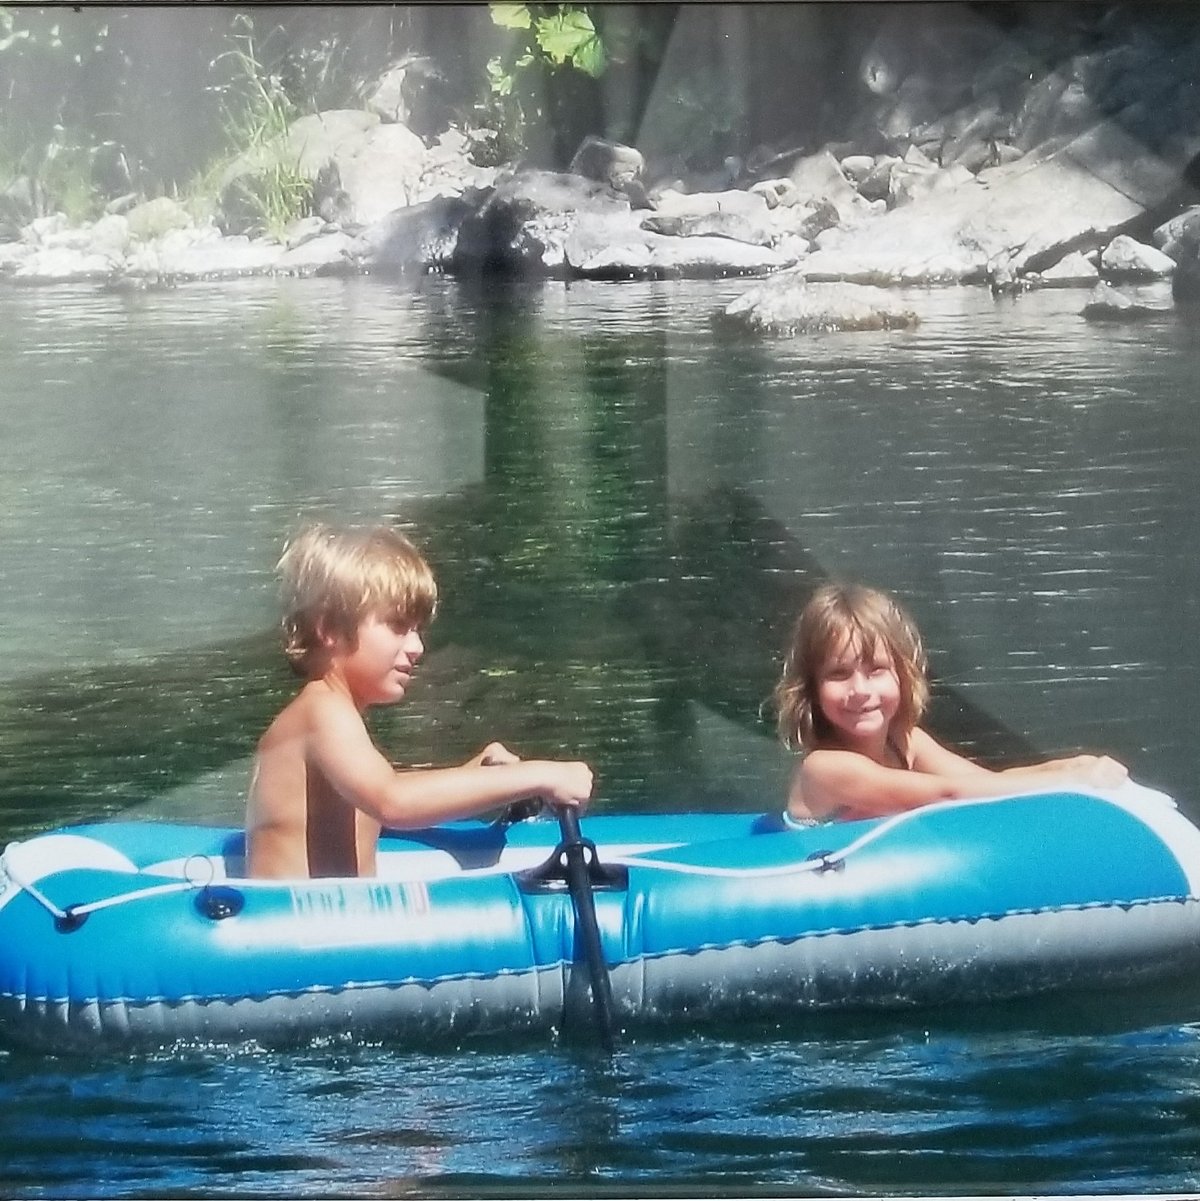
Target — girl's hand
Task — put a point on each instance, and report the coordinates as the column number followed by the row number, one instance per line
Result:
column 1101, row 771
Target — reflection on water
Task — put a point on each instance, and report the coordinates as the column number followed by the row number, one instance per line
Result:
column 624, row 506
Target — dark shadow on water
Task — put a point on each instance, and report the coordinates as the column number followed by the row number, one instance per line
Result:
column 659, row 679
column 93, row 742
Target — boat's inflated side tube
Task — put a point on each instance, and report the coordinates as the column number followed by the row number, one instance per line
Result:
column 966, row 900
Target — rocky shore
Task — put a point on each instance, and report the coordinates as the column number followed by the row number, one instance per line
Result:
column 1084, row 175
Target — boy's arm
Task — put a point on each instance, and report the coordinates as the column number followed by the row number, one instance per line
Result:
column 340, row 748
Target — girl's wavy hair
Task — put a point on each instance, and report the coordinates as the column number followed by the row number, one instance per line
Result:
column 835, row 615
column 333, row 577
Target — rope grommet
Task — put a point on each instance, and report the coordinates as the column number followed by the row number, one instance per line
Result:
column 825, row 861
column 69, row 920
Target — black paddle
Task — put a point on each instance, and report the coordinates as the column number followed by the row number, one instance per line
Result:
column 573, row 849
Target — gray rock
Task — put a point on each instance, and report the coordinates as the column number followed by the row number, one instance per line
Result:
column 715, row 225
column 1108, row 304
column 1125, row 258
column 1029, row 213
column 791, row 305
column 1073, row 270
column 1168, row 236
column 818, row 177
column 523, row 226
column 1185, row 283
column 321, row 255
column 372, row 174
column 777, row 193
column 59, row 265
column 422, row 237
column 611, row 163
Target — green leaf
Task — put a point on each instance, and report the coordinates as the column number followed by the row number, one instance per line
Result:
column 564, row 34
column 511, row 16
column 590, row 58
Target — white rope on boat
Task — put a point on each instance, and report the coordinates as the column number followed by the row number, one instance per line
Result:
column 79, row 912
column 821, row 861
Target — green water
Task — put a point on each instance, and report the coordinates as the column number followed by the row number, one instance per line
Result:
column 623, row 506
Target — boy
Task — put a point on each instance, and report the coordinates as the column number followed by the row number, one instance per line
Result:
column 355, row 601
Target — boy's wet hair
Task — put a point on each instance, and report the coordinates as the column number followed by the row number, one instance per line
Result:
column 332, row 577
column 837, row 615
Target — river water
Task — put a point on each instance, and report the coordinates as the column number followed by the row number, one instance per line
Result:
column 624, row 503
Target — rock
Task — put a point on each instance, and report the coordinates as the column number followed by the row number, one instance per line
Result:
column 371, row 175
column 1030, row 212
column 305, row 230
column 450, row 169
column 709, row 258
column 201, row 253
column 153, row 218
column 41, row 228
column 1185, row 283
column 793, row 305
column 777, row 193
column 18, row 204
column 419, row 238
column 856, row 168
column 323, row 255
column 523, row 226
column 877, row 183
column 1125, row 258
column 1167, row 236
column 715, row 225
column 111, row 236
column 413, row 92
column 1070, row 271
column 1054, row 110
column 909, row 181
column 122, row 204
column 671, row 202
column 818, row 177
column 1107, row 304
column 387, row 101
column 12, row 254
column 61, row 265
column 611, row 163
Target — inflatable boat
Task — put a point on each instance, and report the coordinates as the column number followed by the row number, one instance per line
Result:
column 136, row 933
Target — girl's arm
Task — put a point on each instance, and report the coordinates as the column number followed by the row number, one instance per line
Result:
column 1094, row 771
column 827, row 781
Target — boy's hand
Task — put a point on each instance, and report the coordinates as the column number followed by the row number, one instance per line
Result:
column 493, row 754
column 566, row 783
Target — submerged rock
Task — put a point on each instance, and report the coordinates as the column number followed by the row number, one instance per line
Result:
column 1108, row 304
column 796, row 306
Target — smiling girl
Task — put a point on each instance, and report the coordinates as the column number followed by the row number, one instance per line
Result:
column 851, row 695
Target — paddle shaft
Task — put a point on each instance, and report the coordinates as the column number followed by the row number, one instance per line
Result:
column 586, row 926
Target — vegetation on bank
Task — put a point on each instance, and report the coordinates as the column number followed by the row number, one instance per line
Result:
column 97, row 104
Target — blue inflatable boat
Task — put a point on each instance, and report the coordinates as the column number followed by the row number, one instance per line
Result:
column 144, row 934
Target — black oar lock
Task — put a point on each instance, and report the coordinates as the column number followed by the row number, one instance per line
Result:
column 575, row 867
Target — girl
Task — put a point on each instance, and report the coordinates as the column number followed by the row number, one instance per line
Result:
column 852, row 693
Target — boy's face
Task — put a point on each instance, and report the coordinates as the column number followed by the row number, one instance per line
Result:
column 379, row 666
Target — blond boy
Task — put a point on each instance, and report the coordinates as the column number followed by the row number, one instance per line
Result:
column 355, row 601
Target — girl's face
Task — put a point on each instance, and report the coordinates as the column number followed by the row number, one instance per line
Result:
column 858, row 692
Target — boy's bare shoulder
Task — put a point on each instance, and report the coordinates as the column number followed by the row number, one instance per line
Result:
column 315, row 707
